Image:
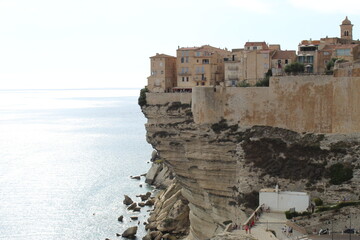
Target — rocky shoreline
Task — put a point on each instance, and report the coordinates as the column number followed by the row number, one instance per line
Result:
column 169, row 218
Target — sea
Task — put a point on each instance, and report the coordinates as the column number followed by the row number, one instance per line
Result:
column 66, row 157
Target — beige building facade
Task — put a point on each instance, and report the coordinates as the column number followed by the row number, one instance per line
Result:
column 163, row 73
column 199, row 66
column 251, row 63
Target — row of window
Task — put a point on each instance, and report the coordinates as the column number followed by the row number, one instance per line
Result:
column 186, row 60
column 197, row 54
column 153, row 73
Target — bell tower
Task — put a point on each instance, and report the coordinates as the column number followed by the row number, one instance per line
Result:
column 346, row 29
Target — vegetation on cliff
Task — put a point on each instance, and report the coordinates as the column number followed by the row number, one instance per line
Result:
column 339, row 173
column 142, row 97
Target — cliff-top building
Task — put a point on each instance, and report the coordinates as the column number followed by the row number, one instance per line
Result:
column 315, row 54
column 199, row 66
column 163, row 73
column 251, row 63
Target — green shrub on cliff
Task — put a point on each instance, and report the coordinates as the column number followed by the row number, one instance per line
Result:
column 337, row 206
column 142, row 97
column 318, row 201
column 292, row 214
column 339, row 173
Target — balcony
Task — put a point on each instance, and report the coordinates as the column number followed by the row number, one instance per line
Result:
column 199, row 79
column 184, row 73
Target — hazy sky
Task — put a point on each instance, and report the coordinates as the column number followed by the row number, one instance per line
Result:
column 107, row 43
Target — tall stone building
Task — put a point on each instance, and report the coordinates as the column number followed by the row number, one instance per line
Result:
column 163, row 73
column 199, row 66
column 346, row 29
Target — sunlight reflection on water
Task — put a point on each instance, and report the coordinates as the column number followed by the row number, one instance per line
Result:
column 65, row 161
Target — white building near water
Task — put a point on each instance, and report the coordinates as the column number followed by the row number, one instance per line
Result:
column 281, row 201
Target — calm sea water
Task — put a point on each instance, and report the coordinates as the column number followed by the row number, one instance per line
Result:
column 65, row 161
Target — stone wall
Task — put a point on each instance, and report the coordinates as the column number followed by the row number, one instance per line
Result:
column 164, row 98
column 322, row 104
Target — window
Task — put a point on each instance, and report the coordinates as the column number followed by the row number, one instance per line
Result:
column 205, row 61
column 183, row 79
column 286, row 61
column 203, row 69
column 326, row 53
column 184, row 70
column 162, row 72
column 182, row 60
column 187, row 79
column 202, row 83
column 198, row 54
column 254, row 48
column 187, row 59
column 343, row 52
column 160, row 64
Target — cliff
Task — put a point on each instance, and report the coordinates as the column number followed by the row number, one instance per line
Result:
column 222, row 164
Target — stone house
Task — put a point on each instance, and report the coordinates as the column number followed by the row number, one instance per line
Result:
column 163, row 73
column 199, row 66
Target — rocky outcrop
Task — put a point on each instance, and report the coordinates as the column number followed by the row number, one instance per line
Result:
column 130, row 232
column 221, row 167
column 170, row 214
column 159, row 175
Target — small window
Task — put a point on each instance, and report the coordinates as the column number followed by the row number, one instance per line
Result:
column 286, row 61
column 183, row 79
column 187, row 79
column 202, row 83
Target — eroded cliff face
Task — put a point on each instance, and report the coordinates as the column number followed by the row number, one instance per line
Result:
column 221, row 167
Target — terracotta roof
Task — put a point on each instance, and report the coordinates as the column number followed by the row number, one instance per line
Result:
column 346, row 21
column 189, row 48
column 252, row 44
column 284, row 54
column 162, row 55
column 310, row 42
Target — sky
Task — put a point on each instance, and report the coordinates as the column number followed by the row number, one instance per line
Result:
column 107, row 43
